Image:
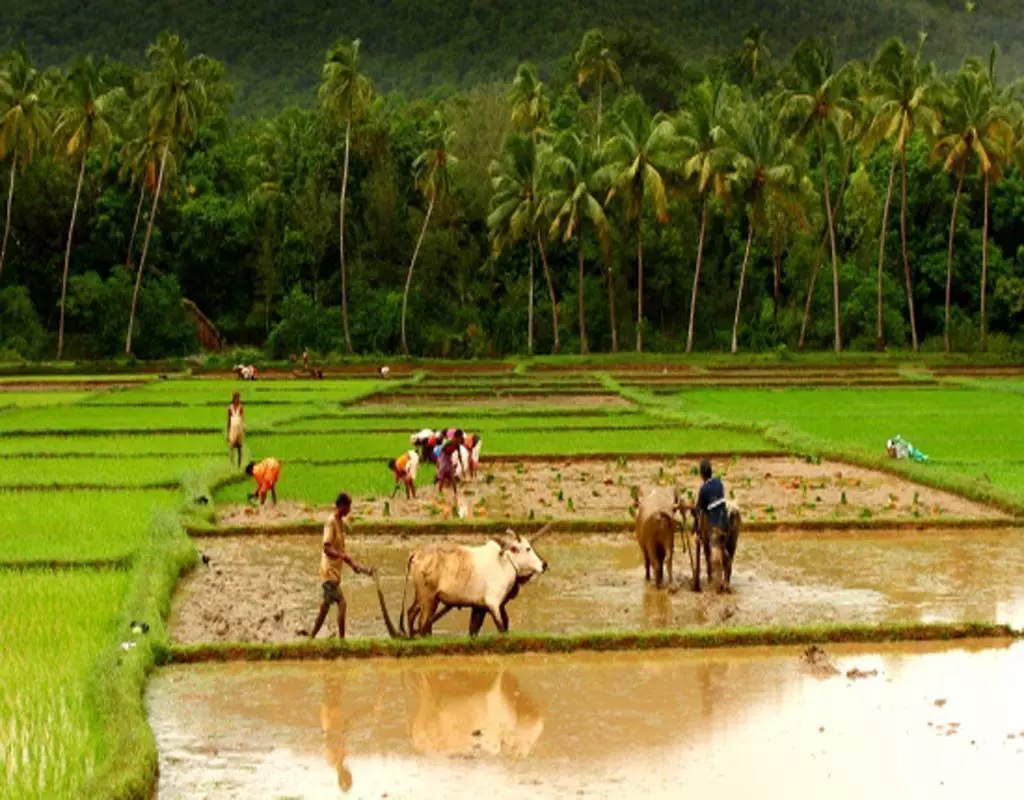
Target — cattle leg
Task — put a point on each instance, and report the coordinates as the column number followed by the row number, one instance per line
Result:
column 412, row 616
column 496, row 616
column 660, row 569
column 504, row 618
column 476, row 620
column 670, row 567
column 647, row 567
column 427, row 614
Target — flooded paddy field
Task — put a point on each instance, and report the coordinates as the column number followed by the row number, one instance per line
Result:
column 266, row 588
column 776, row 489
column 907, row 721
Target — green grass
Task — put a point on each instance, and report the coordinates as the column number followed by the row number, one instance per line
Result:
column 219, row 392
column 75, row 525
column 207, row 444
column 320, row 485
column 82, row 418
column 53, row 628
column 693, row 638
column 470, row 421
column 144, row 471
column 19, row 400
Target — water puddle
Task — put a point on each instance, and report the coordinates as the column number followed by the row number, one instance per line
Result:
column 265, row 588
column 919, row 721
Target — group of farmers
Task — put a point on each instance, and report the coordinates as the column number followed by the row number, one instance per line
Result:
column 456, row 455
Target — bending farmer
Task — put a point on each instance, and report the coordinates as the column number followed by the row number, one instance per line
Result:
column 404, row 468
column 266, row 474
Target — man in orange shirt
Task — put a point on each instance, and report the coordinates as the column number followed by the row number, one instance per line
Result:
column 266, row 474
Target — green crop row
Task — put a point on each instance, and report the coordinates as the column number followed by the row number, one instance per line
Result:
column 53, row 628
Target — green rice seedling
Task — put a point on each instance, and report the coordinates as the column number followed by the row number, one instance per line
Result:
column 81, row 418
column 52, row 630
column 156, row 472
column 34, row 399
column 205, row 444
column 77, row 525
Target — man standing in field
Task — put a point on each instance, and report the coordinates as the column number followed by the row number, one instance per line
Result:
column 331, row 559
column 236, row 427
column 266, row 474
column 711, row 497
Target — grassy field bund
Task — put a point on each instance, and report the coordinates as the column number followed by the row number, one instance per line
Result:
column 102, row 475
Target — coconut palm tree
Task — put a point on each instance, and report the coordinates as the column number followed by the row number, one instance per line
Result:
column 764, row 167
column 140, row 160
column 515, row 210
column 180, row 92
column 902, row 95
column 821, row 110
column 433, row 179
column 637, row 159
column 699, row 133
column 344, row 94
column 531, row 111
column 24, row 124
column 755, row 50
column 572, row 201
column 977, row 130
column 89, row 107
column 596, row 64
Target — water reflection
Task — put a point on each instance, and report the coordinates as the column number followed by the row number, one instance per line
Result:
column 332, row 721
column 465, row 712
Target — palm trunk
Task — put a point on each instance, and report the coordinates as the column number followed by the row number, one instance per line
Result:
column 611, row 305
column 584, row 349
column 551, row 292
column 776, row 282
column 906, row 256
column 805, row 324
column 639, row 287
column 880, row 331
column 949, row 264
column 696, row 275
column 341, row 236
column 739, row 291
column 529, row 323
column 67, row 256
column 984, row 263
column 135, row 225
column 838, row 335
column 412, row 264
column 145, row 250
column 10, row 202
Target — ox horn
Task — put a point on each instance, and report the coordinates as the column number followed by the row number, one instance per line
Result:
column 542, row 532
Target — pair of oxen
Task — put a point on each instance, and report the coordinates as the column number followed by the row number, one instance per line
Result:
column 657, row 515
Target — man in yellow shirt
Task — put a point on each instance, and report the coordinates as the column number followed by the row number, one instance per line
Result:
column 332, row 557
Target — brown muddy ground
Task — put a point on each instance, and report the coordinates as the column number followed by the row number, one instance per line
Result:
column 785, row 489
column 508, row 403
column 265, row 588
column 933, row 722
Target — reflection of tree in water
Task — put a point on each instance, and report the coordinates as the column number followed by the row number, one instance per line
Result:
column 332, row 721
column 711, row 680
column 473, row 711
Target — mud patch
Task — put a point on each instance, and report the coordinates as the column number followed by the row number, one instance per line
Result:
column 594, row 725
column 265, row 588
column 767, row 489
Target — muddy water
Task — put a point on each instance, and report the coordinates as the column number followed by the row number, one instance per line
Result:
column 932, row 723
column 266, row 588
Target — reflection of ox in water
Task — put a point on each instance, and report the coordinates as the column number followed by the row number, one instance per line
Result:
column 717, row 545
column 332, row 722
column 484, row 578
column 465, row 712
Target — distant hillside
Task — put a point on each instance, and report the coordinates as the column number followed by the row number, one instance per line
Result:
column 274, row 47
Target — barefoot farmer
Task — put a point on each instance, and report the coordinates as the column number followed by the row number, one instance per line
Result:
column 404, row 469
column 236, row 427
column 449, row 451
column 266, row 474
column 331, row 559
column 711, row 497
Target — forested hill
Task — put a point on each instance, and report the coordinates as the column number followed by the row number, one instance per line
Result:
column 273, row 48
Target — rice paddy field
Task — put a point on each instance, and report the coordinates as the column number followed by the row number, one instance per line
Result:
column 111, row 486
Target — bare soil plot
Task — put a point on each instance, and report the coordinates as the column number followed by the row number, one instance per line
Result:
column 784, row 489
column 266, row 588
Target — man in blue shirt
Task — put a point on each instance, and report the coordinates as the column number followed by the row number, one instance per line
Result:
column 711, row 498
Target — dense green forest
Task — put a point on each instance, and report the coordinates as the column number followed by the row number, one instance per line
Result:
column 273, row 48
column 760, row 198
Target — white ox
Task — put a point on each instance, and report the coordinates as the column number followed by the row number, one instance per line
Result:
column 483, row 578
